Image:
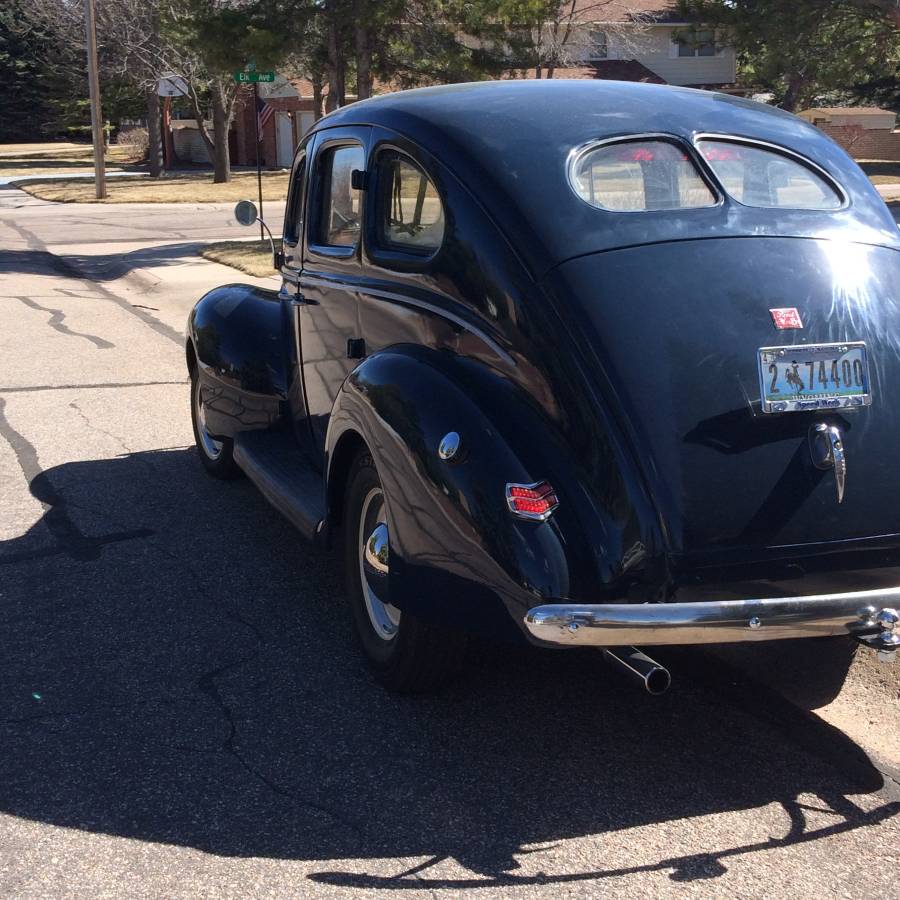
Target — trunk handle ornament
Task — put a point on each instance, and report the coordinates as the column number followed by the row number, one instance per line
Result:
column 826, row 447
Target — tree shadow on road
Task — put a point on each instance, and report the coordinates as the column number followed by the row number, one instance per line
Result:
column 178, row 668
column 104, row 267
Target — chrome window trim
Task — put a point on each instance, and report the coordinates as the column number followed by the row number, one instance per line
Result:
column 799, row 158
column 576, row 153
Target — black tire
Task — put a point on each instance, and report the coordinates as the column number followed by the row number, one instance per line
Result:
column 420, row 657
column 219, row 464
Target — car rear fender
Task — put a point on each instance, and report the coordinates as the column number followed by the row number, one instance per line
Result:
column 457, row 553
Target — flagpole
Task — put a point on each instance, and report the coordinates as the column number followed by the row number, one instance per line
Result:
column 262, row 235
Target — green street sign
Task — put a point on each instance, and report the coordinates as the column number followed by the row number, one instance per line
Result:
column 252, row 77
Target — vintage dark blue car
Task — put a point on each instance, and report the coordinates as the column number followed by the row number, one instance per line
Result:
column 576, row 362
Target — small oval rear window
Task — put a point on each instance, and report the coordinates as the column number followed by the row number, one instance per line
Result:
column 756, row 176
column 631, row 176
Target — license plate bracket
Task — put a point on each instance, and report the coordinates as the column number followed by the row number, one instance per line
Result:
column 805, row 377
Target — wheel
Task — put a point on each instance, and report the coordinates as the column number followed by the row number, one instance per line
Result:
column 216, row 455
column 405, row 653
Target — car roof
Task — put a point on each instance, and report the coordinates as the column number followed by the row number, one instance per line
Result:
column 509, row 142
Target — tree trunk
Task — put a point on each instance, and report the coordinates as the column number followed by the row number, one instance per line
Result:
column 551, row 68
column 154, row 135
column 221, row 157
column 317, row 96
column 336, row 67
column 791, row 99
column 538, row 73
column 363, row 63
column 363, row 51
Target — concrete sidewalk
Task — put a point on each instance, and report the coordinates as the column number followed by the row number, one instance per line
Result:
column 889, row 191
column 147, row 254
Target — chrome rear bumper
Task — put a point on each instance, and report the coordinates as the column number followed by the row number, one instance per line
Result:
column 869, row 615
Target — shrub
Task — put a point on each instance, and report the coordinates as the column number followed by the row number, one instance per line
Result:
column 137, row 139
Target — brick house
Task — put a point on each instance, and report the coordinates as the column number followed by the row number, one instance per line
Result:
column 865, row 132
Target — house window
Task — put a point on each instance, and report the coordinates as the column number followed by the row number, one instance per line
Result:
column 697, row 43
column 598, row 47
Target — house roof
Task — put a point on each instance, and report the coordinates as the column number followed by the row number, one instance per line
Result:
column 649, row 11
column 850, row 111
column 624, row 70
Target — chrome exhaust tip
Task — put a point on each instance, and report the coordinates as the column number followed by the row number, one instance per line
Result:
column 654, row 677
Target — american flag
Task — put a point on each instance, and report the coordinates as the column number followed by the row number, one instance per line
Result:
column 264, row 112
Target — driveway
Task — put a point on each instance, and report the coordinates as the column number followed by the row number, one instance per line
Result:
column 184, row 714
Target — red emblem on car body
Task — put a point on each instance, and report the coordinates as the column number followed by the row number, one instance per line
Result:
column 786, row 318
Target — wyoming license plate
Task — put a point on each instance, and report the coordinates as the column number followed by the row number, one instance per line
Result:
column 814, row 376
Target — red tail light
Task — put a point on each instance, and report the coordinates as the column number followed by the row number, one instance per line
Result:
column 531, row 501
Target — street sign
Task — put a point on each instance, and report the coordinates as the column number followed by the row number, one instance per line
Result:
column 253, row 77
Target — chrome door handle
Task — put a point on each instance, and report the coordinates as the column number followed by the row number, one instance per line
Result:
column 826, row 446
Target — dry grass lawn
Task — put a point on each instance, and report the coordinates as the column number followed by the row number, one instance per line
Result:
column 192, row 187
column 250, row 257
column 57, row 158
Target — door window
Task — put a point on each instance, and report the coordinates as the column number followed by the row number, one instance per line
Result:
column 410, row 213
column 293, row 219
column 339, row 215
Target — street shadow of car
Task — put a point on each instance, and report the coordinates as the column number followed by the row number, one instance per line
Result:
column 178, row 668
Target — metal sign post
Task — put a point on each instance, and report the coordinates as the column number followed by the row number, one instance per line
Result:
column 262, row 235
column 251, row 76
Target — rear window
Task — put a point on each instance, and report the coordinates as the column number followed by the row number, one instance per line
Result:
column 756, row 176
column 630, row 176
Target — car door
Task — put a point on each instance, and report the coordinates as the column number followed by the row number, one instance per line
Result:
column 330, row 339
column 291, row 268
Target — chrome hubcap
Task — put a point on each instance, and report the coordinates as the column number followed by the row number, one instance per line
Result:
column 210, row 446
column 374, row 563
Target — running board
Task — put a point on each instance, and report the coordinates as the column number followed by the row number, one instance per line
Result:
column 275, row 464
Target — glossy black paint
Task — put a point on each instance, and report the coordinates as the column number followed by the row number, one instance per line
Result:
column 611, row 354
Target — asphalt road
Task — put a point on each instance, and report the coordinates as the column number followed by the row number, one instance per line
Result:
column 183, row 712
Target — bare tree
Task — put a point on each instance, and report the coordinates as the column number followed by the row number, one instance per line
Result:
column 567, row 32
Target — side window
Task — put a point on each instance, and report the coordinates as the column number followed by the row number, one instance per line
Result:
column 293, row 217
column 339, row 215
column 632, row 176
column 410, row 215
column 756, row 176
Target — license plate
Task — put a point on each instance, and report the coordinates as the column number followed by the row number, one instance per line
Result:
column 814, row 376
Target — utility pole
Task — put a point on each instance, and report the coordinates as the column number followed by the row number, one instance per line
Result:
column 96, row 115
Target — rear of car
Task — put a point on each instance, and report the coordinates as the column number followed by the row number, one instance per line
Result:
column 741, row 314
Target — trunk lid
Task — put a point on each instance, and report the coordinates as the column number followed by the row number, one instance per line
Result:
column 670, row 332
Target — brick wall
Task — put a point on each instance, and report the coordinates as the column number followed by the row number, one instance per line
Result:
column 244, row 126
column 866, row 143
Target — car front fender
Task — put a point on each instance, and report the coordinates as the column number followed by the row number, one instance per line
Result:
column 237, row 335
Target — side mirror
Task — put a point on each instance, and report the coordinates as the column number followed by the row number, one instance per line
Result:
column 246, row 213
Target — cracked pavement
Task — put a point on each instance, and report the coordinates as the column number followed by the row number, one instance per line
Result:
column 183, row 712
